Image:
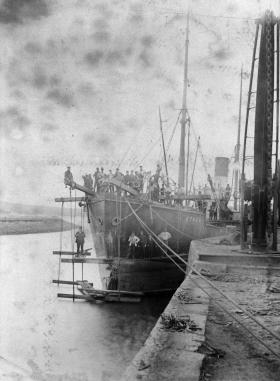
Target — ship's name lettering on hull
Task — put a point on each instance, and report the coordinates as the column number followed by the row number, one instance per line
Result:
column 193, row 219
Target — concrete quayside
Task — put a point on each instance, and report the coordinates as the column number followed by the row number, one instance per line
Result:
column 199, row 337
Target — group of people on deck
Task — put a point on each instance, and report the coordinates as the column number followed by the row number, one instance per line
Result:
column 100, row 181
column 155, row 186
column 143, row 246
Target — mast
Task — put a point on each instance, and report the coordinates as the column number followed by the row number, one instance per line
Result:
column 181, row 177
column 163, row 146
column 237, row 147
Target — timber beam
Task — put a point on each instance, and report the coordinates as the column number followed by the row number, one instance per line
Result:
column 70, row 282
column 100, row 260
column 85, row 253
column 70, row 199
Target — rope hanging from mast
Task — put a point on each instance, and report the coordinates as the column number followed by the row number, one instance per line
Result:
column 60, row 241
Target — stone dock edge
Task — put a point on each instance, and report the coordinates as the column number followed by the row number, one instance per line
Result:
column 174, row 355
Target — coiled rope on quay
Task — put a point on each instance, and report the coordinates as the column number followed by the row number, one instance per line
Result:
column 162, row 245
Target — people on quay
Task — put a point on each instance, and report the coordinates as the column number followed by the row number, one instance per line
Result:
column 133, row 241
column 80, row 240
column 68, row 177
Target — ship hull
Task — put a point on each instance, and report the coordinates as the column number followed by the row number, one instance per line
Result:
column 112, row 222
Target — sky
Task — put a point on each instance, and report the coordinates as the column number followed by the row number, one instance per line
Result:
column 82, row 81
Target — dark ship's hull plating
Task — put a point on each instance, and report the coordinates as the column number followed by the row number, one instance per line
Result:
column 112, row 222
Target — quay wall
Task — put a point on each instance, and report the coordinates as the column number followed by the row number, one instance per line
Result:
column 174, row 354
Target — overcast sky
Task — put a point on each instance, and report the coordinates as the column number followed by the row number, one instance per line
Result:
column 81, row 82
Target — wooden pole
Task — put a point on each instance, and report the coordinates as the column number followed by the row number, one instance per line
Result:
column 276, row 178
column 242, row 235
column 237, row 148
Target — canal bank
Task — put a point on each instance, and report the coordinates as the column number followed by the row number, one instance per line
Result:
column 189, row 347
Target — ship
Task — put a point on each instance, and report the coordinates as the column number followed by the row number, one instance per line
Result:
column 114, row 212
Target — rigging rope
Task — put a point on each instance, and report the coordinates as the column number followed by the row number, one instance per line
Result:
column 75, row 211
column 60, row 242
column 163, row 244
column 128, row 215
column 71, row 221
column 190, row 236
column 72, row 245
column 173, row 132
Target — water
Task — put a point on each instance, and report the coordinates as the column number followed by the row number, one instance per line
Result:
column 55, row 339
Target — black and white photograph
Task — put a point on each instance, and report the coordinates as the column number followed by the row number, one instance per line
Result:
column 139, row 190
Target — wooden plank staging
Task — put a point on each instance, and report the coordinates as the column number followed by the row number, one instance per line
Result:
column 57, row 281
column 86, row 286
column 107, row 298
column 100, row 260
column 70, row 199
column 71, row 296
column 91, row 294
column 85, row 253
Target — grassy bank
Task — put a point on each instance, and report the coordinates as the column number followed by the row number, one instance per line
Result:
column 31, row 225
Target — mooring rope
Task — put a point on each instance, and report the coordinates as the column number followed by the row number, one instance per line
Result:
column 163, row 244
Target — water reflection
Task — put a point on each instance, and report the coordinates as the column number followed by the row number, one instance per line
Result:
column 57, row 339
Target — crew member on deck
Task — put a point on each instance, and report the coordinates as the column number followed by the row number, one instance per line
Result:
column 110, row 177
column 68, row 177
column 96, row 180
column 90, row 181
column 126, row 178
column 133, row 243
column 141, row 178
column 80, row 240
column 227, row 193
column 143, row 244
